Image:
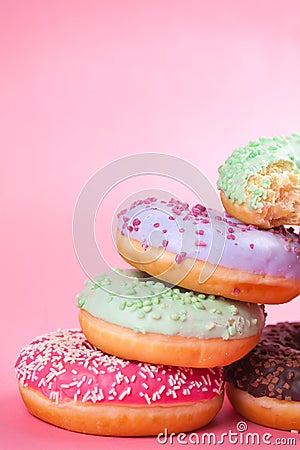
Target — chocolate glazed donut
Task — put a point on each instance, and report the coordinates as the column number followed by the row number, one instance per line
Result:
column 270, row 372
column 272, row 368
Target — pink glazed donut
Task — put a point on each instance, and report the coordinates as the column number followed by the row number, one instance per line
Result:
column 178, row 244
column 66, row 381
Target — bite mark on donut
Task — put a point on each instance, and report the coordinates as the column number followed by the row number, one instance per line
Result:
column 275, row 192
column 260, row 181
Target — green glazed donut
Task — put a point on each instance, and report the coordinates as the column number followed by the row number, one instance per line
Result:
column 260, row 182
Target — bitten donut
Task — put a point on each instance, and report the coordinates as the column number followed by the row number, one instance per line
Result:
column 260, row 182
column 148, row 321
column 67, row 382
column 209, row 251
column 264, row 386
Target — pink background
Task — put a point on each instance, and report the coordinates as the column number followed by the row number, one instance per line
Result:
column 86, row 82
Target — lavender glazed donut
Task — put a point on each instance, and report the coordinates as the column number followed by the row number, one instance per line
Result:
column 264, row 386
column 66, row 381
column 179, row 245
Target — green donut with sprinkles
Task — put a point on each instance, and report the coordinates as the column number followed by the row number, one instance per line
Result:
column 260, row 182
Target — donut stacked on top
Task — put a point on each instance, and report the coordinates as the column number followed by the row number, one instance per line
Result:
column 133, row 316
column 255, row 265
column 147, row 320
column 214, row 253
column 259, row 184
column 154, row 341
column 210, row 251
column 149, row 357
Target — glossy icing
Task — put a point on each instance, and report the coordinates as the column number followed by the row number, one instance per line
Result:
column 212, row 236
column 252, row 158
column 150, row 306
column 63, row 365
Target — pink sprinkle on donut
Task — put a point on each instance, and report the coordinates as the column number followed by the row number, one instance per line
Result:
column 136, row 222
column 177, row 210
column 200, row 207
column 200, row 243
column 180, row 257
column 231, row 237
column 156, row 225
column 198, row 210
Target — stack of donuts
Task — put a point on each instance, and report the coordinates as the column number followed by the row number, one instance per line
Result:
column 157, row 341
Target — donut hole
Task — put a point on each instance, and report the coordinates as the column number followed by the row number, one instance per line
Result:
column 276, row 189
